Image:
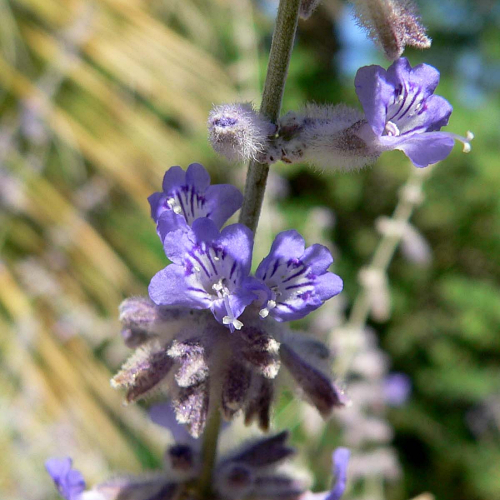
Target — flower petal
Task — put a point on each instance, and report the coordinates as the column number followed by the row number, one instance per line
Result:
column 423, row 76
column 237, row 240
column 340, row 460
column 174, row 178
column 198, row 177
column 222, row 201
column 427, row 148
column 374, row 91
column 172, row 287
column 69, row 482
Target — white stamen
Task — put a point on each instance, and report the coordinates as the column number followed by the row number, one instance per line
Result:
column 391, row 129
column 464, row 140
column 227, row 320
column 174, row 206
column 264, row 312
column 197, row 269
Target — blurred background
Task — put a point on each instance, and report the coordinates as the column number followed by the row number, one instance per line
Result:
column 99, row 98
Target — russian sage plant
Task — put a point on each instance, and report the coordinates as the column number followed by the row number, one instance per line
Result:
column 212, row 337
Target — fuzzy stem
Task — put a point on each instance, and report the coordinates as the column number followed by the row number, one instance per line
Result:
column 209, row 452
column 279, row 58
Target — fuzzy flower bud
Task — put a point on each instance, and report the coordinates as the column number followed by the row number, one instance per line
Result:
column 238, row 132
column 392, row 24
column 307, row 7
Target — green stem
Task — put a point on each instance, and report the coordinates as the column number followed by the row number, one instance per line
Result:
column 209, row 452
column 279, row 58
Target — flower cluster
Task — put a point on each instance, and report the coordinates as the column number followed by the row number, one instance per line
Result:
column 250, row 471
column 209, row 328
column 400, row 112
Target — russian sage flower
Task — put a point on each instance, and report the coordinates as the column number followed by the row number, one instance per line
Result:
column 403, row 113
column 297, row 277
column 69, row 482
column 396, row 389
column 209, row 271
column 188, row 194
column 340, row 459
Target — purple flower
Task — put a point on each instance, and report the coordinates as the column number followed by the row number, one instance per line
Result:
column 397, row 389
column 297, row 277
column 189, row 195
column 209, row 271
column 340, row 460
column 403, row 113
column 69, row 482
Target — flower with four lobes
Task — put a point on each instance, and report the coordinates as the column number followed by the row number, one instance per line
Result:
column 190, row 195
column 297, row 278
column 403, row 113
column 210, row 271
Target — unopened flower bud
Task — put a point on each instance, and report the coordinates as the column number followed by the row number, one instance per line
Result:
column 260, row 400
column 238, row 132
column 307, row 7
column 190, row 354
column 392, row 24
column 415, row 247
column 235, row 386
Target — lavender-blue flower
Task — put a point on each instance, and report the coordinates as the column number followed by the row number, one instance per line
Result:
column 69, row 481
column 297, row 277
column 209, row 271
column 403, row 113
column 189, row 195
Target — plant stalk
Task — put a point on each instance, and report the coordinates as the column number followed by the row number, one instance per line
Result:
column 209, row 452
column 279, row 58
column 277, row 70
